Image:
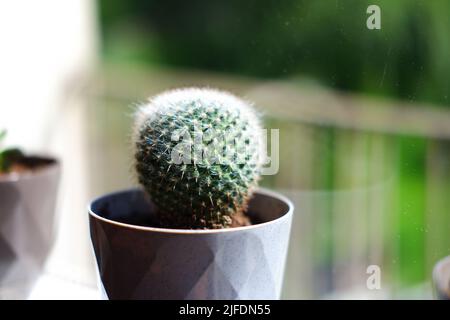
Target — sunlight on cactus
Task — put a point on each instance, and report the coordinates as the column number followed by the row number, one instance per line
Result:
column 198, row 154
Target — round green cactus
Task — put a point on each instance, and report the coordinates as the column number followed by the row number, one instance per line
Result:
column 198, row 154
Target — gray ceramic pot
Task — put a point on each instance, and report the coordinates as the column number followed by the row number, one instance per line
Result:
column 27, row 208
column 441, row 279
column 138, row 262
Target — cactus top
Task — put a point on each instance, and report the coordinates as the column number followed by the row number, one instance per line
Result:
column 198, row 154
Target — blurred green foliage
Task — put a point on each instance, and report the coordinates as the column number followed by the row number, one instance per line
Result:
column 322, row 39
column 7, row 155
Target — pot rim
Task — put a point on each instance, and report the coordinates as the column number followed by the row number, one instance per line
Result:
column 262, row 191
column 15, row 177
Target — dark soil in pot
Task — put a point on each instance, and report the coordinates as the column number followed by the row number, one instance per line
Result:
column 27, row 165
column 150, row 218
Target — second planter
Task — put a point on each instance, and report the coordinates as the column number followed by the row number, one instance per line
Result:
column 27, row 217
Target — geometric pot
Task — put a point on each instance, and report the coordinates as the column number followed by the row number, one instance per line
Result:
column 441, row 279
column 139, row 262
column 27, row 208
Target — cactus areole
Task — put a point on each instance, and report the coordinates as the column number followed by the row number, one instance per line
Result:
column 198, row 154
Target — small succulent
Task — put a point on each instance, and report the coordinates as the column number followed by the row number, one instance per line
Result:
column 198, row 154
column 7, row 155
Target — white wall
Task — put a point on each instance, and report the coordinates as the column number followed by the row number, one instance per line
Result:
column 44, row 45
column 47, row 48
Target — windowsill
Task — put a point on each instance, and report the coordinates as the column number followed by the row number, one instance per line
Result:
column 51, row 287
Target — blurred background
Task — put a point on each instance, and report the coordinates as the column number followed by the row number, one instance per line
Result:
column 363, row 114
